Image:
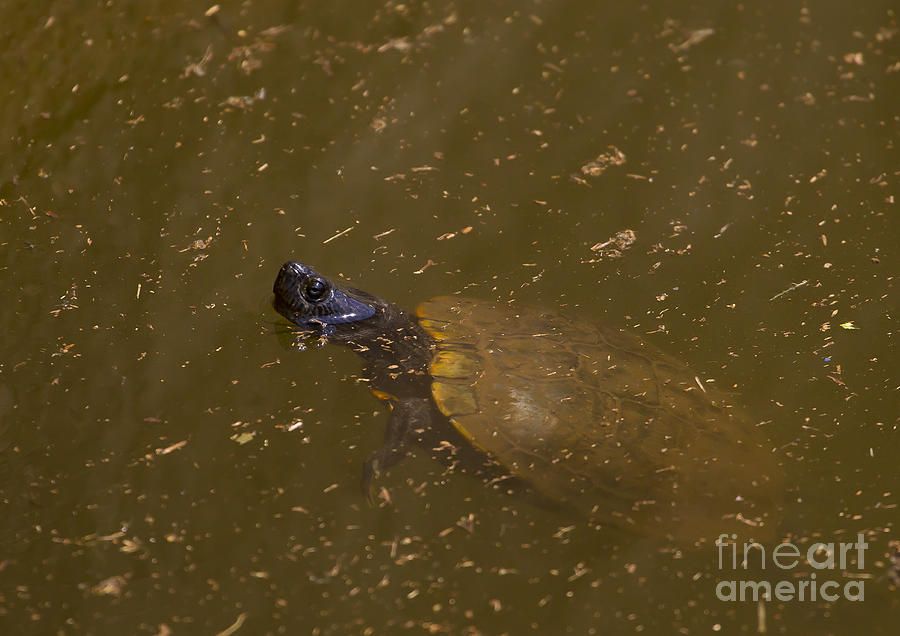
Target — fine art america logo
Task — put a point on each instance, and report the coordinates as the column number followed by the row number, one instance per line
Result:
column 817, row 580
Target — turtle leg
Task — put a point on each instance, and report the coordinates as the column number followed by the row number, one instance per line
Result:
column 408, row 418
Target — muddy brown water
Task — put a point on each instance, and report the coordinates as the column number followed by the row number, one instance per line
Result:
column 168, row 465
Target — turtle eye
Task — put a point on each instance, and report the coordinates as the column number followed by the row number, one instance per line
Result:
column 315, row 290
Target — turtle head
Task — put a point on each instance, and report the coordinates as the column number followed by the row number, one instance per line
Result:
column 311, row 301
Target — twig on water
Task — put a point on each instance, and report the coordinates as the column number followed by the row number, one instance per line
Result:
column 789, row 289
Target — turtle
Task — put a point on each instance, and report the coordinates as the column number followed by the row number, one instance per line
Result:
column 589, row 416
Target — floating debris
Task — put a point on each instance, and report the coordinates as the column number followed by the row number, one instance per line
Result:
column 614, row 246
column 614, row 157
column 789, row 289
column 236, row 625
column 243, row 438
column 244, row 102
column 694, row 38
column 722, row 230
column 341, row 233
column 171, row 449
column 112, row 586
column 422, row 269
column 199, row 244
column 198, row 68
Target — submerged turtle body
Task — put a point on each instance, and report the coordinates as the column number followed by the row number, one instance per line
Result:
column 589, row 416
column 594, row 416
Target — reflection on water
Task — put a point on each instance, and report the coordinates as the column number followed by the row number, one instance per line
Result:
column 167, row 466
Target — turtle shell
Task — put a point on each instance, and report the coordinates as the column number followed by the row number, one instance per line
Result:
column 596, row 418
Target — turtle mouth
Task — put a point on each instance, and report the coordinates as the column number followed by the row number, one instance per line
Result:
column 310, row 301
column 291, row 311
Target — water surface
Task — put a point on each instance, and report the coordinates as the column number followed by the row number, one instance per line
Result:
column 169, row 465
